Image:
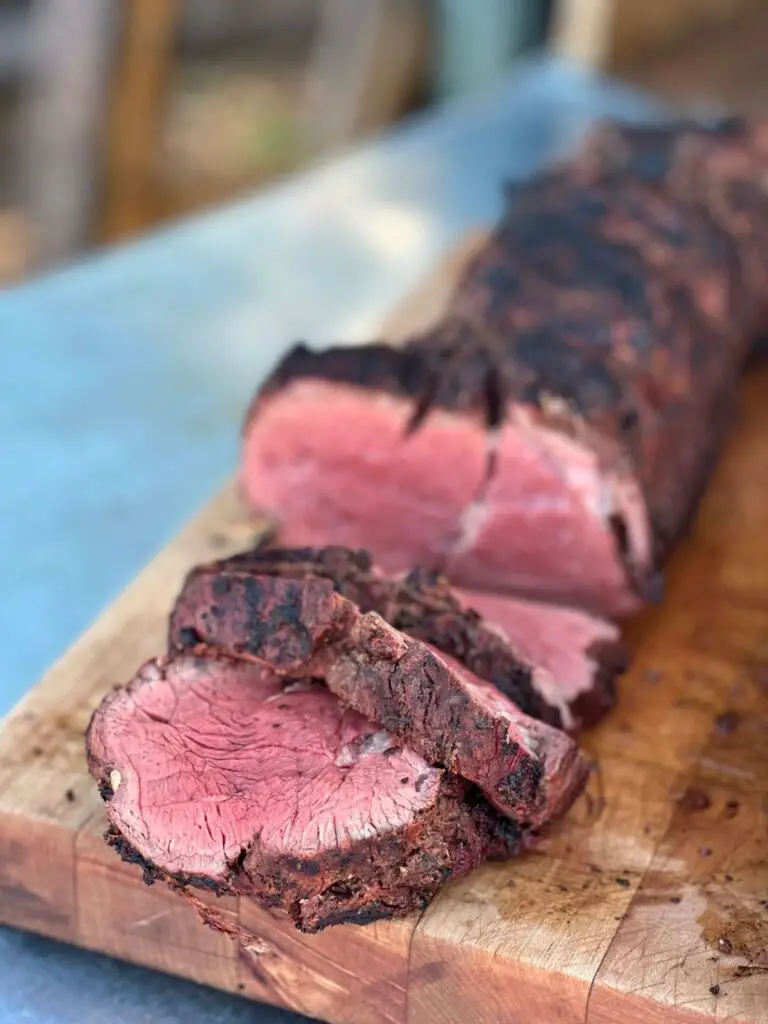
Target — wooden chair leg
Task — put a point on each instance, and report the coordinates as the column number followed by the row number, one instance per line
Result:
column 346, row 38
column 368, row 57
column 581, row 31
column 477, row 42
column 61, row 120
column 14, row 246
column 139, row 87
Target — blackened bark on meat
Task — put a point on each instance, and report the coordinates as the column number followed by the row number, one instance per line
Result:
column 420, row 605
column 378, row 366
column 612, row 659
column 152, row 874
column 283, row 625
column 388, row 876
column 650, row 151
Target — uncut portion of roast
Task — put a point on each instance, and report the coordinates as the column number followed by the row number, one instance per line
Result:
column 551, row 436
column 299, row 749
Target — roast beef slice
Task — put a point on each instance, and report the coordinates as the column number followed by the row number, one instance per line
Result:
column 529, row 771
column 556, row 664
column 219, row 774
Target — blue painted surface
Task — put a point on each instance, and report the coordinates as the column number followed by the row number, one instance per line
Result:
column 123, row 381
column 45, row 982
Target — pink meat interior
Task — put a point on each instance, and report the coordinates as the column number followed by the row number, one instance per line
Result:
column 334, row 464
column 542, row 526
column 554, row 639
column 207, row 756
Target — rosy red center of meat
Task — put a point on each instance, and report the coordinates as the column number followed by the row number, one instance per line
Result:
column 208, row 761
column 335, row 464
column 556, row 641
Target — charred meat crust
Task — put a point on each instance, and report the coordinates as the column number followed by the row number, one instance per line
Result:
column 378, row 366
column 590, row 707
column 393, row 875
column 286, row 625
column 150, row 873
column 382, row 877
column 623, row 283
column 651, row 152
column 420, row 605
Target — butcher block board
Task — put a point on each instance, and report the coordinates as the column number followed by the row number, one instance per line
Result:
column 647, row 904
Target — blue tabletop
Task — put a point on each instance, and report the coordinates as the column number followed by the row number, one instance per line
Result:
column 124, row 378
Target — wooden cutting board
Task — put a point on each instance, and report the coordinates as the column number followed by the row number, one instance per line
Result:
column 648, row 904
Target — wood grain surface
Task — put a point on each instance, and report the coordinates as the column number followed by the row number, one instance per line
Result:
column 647, row 904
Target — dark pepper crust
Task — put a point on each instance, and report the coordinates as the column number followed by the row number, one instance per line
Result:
column 591, row 706
column 382, row 877
column 629, row 282
column 285, row 626
column 421, row 605
column 152, row 874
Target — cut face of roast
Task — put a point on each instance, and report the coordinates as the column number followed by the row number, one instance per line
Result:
column 542, row 526
column 576, row 657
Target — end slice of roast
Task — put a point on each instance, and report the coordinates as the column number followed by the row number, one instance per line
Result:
column 556, row 664
column 528, row 770
column 219, row 774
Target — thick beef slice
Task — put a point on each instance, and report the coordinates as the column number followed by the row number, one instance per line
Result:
column 527, row 769
column 555, row 664
column 217, row 773
column 552, row 435
column 217, row 601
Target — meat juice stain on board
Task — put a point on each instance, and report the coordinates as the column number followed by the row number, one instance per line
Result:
column 734, row 922
column 733, row 929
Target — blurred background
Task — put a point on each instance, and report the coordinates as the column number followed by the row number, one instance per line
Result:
column 118, row 115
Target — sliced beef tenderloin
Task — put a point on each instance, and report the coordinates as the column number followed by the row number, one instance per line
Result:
column 557, row 665
column 551, row 437
column 529, row 770
column 219, row 774
column 219, row 602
